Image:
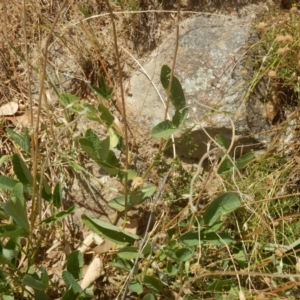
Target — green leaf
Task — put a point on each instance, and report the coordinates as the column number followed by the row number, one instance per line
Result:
column 148, row 297
column 4, row 158
column 135, row 286
column 91, row 136
column 121, row 264
column 34, row 283
column 12, row 231
column 164, row 129
column 179, row 117
column 106, row 116
column 17, row 210
column 113, row 138
column 10, row 250
column 177, row 95
column 7, row 183
column 244, row 160
column 221, row 238
column 59, row 216
column 134, row 198
column 67, row 99
column 71, row 282
column 44, row 277
column 184, row 254
column 111, row 232
column 219, row 285
column 91, row 112
column 240, row 256
column 171, row 269
column 22, row 140
column 75, row 263
column 111, row 165
column 46, row 190
column 5, row 261
column 57, row 195
column 223, row 141
column 21, row 170
column 128, row 252
column 153, row 283
column 225, row 167
column 104, row 91
column 70, row 295
column 191, row 238
column 222, row 205
column 88, row 147
column 18, row 192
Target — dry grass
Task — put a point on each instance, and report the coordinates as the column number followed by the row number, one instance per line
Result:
column 46, row 51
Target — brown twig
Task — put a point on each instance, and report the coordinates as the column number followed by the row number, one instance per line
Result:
column 123, row 107
column 36, row 204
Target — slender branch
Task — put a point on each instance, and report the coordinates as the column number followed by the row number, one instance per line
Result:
column 36, row 205
column 123, row 104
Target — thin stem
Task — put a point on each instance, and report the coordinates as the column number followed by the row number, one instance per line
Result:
column 123, row 107
column 174, row 60
column 36, row 205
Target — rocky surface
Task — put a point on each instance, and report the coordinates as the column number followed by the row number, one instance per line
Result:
column 211, row 68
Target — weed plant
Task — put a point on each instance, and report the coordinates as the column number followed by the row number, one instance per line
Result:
column 230, row 233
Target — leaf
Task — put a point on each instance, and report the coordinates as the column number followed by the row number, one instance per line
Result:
column 128, row 252
column 7, row 183
column 17, row 211
column 46, row 190
column 104, row 91
column 191, row 238
column 244, row 160
column 59, row 216
column 184, row 254
column 148, row 297
column 95, row 148
column 153, row 283
column 225, row 167
column 91, row 112
column 57, row 195
column 94, row 271
column 92, row 137
column 135, row 286
column 106, row 116
column 18, row 192
column 5, row 261
column 177, row 95
column 88, row 147
column 221, row 238
column 172, row 271
column 222, row 205
column 21, row 170
column 164, row 129
column 113, row 138
column 67, row 99
column 122, row 264
column 111, row 232
column 134, row 198
column 75, row 263
column 44, row 277
column 220, row 285
column 111, row 165
column 9, row 109
column 12, row 231
column 179, row 117
column 34, row 283
column 71, row 282
column 223, row 141
column 22, row 140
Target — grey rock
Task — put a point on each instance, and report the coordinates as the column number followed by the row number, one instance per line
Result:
column 211, row 68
